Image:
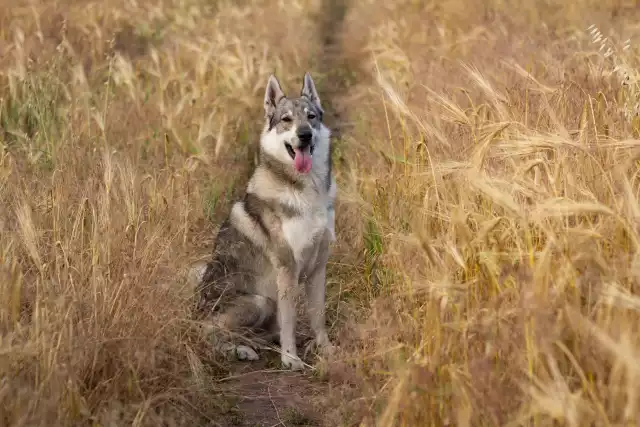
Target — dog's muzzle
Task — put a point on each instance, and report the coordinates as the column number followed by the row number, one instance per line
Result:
column 305, row 138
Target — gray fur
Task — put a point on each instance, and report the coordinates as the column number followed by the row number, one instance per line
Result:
column 279, row 234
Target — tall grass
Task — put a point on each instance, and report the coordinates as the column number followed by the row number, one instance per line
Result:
column 486, row 269
column 498, row 164
column 124, row 126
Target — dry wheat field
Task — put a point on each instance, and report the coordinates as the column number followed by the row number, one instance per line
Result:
column 487, row 268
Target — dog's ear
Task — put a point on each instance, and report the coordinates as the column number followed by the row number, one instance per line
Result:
column 272, row 95
column 309, row 90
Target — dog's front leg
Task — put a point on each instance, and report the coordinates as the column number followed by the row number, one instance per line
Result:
column 315, row 289
column 287, row 289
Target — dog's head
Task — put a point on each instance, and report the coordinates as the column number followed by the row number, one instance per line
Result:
column 293, row 127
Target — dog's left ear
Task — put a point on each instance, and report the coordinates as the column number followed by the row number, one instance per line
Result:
column 309, row 90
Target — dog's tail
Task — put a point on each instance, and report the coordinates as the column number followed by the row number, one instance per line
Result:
column 194, row 274
column 188, row 279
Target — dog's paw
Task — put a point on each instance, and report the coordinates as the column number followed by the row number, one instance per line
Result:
column 238, row 352
column 292, row 362
column 244, row 352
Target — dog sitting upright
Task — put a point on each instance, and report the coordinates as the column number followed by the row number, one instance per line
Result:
column 278, row 235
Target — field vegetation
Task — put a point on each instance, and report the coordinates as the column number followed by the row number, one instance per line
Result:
column 487, row 268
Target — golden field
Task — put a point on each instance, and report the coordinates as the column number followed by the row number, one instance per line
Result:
column 487, row 268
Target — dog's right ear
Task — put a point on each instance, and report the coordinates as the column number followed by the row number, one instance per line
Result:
column 272, row 95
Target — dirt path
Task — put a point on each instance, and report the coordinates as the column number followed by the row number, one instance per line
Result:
column 331, row 63
column 261, row 394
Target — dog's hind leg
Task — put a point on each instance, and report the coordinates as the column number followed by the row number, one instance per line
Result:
column 243, row 312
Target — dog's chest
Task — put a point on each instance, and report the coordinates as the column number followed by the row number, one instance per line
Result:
column 301, row 231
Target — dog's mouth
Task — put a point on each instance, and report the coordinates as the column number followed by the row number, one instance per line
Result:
column 290, row 150
column 301, row 158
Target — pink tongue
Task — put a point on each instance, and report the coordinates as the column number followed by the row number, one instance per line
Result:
column 302, row 161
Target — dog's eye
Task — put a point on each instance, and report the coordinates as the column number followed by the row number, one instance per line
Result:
column 286, row 119
column 311, row 116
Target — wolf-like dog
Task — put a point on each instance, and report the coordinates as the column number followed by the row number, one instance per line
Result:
column 278, row 235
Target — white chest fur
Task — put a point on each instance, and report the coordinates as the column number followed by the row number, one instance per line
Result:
column 301, row 230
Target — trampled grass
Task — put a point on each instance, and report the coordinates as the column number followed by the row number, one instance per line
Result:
column 486, row 270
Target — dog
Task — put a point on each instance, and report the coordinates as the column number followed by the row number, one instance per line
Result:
column 278, row 235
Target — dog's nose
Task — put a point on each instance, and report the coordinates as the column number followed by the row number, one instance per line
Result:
column 304, row 134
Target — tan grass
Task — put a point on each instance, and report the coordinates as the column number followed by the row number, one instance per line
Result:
column 487, row 267
column 507, row 213
column 125, row 127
